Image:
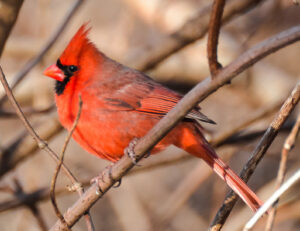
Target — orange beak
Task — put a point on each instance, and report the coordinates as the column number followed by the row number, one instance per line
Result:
column 54, row 72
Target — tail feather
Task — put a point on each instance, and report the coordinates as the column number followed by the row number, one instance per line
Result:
column 200, row 148
column 235, row 182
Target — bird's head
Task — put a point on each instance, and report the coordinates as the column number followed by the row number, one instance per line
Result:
column 77, row 60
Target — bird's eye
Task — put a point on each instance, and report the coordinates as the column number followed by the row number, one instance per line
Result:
column 73, row 68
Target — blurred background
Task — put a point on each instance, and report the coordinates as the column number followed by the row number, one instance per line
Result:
column 171, row 191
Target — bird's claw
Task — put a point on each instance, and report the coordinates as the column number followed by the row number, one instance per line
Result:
column 96, row 180
column 101, row 178
column 118, row 182
column 129, row 151
column 147, row 154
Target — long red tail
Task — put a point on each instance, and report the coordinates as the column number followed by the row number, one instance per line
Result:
column 202, row 149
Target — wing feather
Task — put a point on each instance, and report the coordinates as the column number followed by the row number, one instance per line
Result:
column 143, row 95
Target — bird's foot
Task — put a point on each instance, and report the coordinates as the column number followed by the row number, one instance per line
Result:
column 96, row 181
column 118, row 182
column 129, row 151
column 147, row 154
column 101, row 178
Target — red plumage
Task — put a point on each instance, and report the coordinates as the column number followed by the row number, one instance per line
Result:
column 120, row 104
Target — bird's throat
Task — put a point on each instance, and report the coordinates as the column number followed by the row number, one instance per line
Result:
column 61, row 85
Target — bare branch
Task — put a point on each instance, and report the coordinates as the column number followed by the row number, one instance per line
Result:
column 27, row 111
column 151, row 164
column 41, row 143
column 263, row 209
column 18, row 78
column 24, row 146
column 37, row 195
column 257, row 155
column 220, row 139
column 213, row 36
column 61, row 160
column 41, row 222
column 198, row 93
column 8, row 15
column 287, row 147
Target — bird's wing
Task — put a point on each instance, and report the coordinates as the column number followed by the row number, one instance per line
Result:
column 161, row 100
column 143, row 95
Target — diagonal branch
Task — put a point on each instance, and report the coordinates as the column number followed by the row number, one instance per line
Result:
column 257, row 155
column 198, row 93
column 213, row 36
column 42, row 194
column 287, row 147
column 41, row 143
column 23, row 146
column 263, row 209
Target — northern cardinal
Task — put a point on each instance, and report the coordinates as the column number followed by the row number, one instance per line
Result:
column 121, row 104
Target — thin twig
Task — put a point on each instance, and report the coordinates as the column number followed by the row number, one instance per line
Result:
column 6, row 189
column 31, row 203
column 38, row 195
column 193, row 180
column 32, row 63
column 257, row 155
column 213, row 36
column 43, row 194
column 27, row 111
column 264, row 208
column 198, row 93
column 37, row 214
column 41, row 143
column 58, row 167
column 287, row 147
column 224, row 136
column 23, row 146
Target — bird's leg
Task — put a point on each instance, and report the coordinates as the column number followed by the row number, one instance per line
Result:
column 129, row 151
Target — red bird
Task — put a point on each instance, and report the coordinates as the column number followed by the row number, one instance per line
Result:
column 120, row 104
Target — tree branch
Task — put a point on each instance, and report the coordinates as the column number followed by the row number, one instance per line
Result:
column 198, row 93
column 24, row 146
column 287, row 147
column 263, row 209
column 8, row 15
column 41, row 143
column 213, row 36
column 257, row 155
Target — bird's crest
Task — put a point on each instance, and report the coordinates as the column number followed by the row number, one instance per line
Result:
column 78, row 43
